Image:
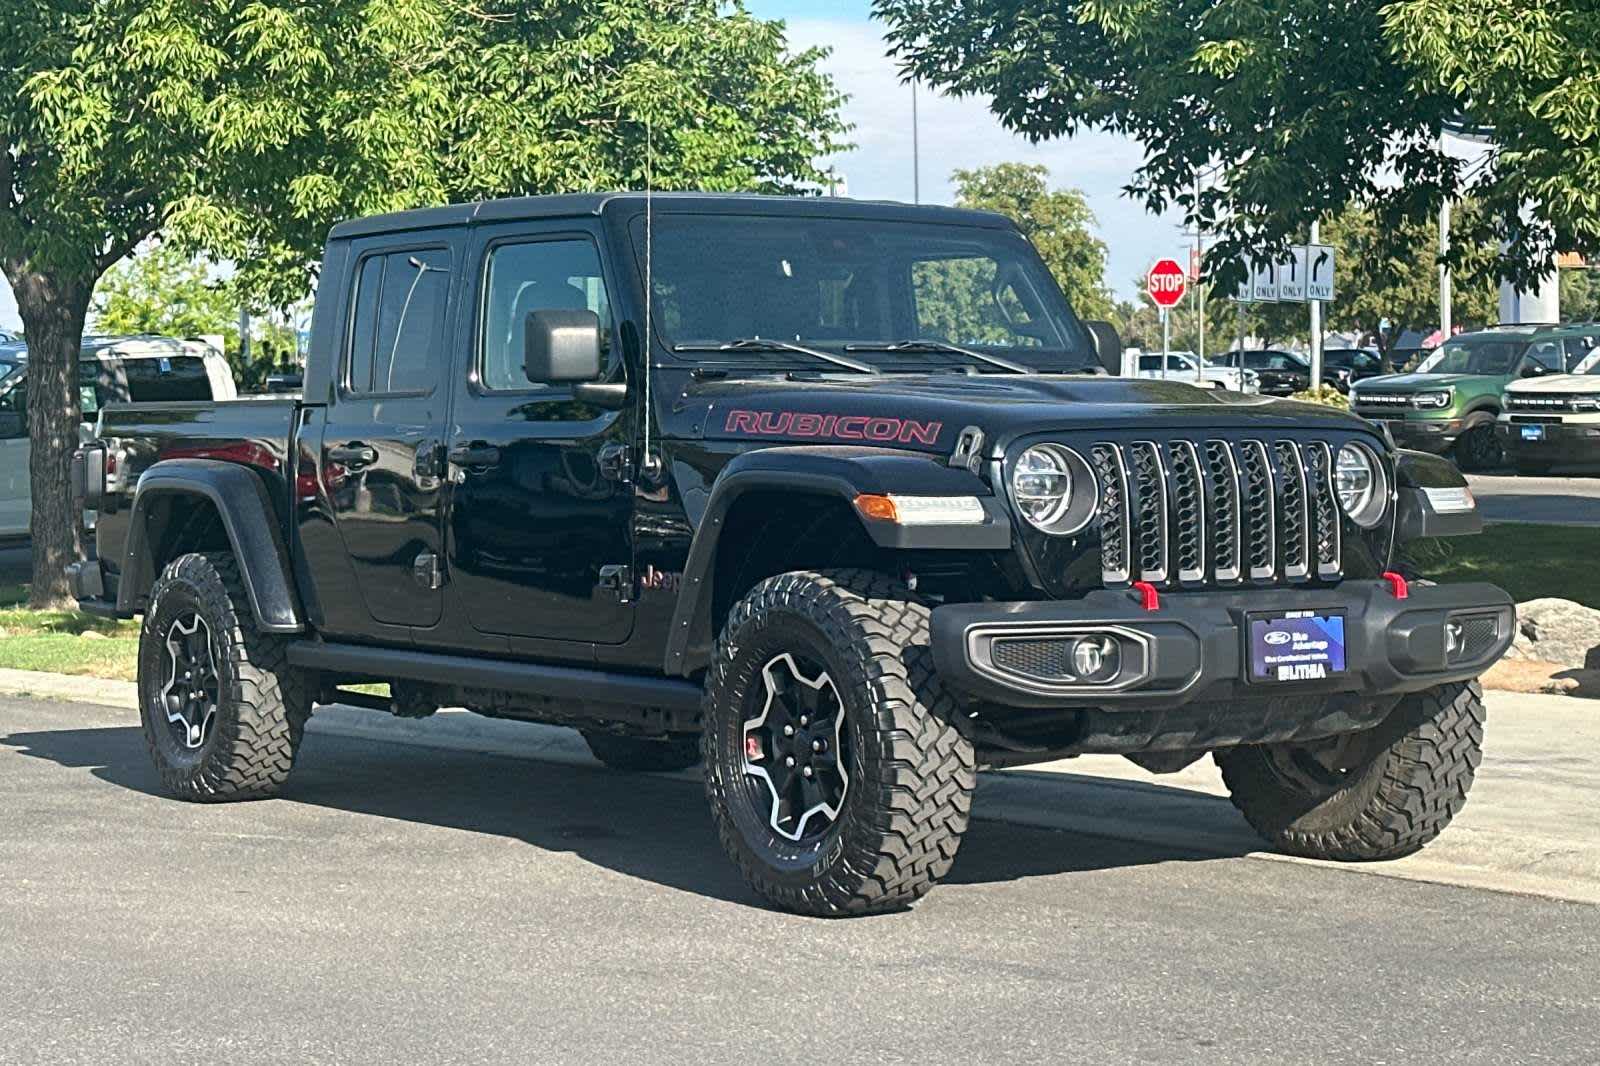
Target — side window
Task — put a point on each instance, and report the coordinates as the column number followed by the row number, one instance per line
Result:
column 1578, row 349
column 535, row 276
column 14, row 403
column 397, row 328
column 1547, row 354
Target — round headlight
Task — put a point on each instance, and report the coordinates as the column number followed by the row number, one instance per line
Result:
column 1359, row 481
column 1054, row 489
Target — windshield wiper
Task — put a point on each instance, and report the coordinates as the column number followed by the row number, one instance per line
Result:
column 942, row 346
column 764, row 344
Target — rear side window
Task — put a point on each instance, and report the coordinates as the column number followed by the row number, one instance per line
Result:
column 397, row 328
column 169, row 378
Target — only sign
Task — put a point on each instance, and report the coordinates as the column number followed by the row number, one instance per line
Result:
column 1166, row 283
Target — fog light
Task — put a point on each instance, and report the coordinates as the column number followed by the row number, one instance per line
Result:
column 1096, row 659
column 1455, row 639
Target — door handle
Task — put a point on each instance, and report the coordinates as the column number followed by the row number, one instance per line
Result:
column 354, row 455
column 475, row 454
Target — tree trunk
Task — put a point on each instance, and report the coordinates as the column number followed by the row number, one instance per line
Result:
column 53, row 308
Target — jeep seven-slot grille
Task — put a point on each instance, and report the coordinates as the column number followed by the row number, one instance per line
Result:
column 1217, row 512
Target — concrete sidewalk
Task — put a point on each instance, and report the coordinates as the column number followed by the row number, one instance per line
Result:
column 1532, row 825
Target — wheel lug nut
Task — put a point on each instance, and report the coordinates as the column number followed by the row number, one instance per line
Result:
column 806, row 771
column 789, row 761
column 788, row 730
column 817, row 745
column 805, row 720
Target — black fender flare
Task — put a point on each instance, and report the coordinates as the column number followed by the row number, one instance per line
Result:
column 841, row 472
column 1415, row 515
column 240, row 498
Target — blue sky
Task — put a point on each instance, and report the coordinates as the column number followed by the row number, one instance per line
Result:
column 953, row 133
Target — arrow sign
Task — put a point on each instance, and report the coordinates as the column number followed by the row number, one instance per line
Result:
column 1264, row 283
column 1292, row 276
column 1320, row 264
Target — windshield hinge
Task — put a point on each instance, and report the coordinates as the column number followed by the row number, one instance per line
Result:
column 968, row 453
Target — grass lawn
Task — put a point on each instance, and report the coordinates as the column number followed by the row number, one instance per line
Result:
column 65, row 642
column 1528, row 561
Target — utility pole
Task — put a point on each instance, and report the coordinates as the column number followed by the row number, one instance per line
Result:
column 1444, row 270
column 1316, row 319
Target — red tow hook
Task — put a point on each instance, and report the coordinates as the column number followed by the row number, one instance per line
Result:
column 1151, row 599
column 1397, row 584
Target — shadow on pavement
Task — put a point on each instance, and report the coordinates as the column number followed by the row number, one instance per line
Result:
column 651, row 827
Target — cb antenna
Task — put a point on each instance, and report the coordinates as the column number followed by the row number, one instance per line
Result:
column 649, row 466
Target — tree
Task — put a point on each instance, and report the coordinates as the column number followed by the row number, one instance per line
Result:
column 1057, row 221
column 244, row 128
column 1395, row 276
column 1580, row 295
column 1307, row 106
column 162, row 290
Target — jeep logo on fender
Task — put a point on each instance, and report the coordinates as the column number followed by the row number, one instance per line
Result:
column 835, row 427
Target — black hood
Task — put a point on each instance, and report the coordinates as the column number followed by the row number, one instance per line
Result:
column 927, row 412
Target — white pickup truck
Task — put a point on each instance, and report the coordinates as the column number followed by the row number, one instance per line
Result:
column 110, row 369
column 1181, row 367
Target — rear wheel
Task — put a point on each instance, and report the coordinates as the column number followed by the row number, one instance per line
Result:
column 222, row 710
column 837, row 777
column 639, row 755
column 1379, row 794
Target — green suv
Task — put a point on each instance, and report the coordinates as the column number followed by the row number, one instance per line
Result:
column 1449, row 404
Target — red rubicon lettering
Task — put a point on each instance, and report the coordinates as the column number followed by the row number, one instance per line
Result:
column 835, row 427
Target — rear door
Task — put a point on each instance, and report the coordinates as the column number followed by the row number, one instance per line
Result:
column 381, row 453
column 540, row 520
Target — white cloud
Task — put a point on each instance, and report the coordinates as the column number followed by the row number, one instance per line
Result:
column 963, row 133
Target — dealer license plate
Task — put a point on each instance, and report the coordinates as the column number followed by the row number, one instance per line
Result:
column 1533, row 433
column 1297, row 646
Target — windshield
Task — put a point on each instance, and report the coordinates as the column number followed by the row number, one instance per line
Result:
column 7, row 369
column 1475, row 355
column 857, row 285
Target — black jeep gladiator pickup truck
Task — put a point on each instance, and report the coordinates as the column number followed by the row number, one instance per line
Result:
column 835, row 497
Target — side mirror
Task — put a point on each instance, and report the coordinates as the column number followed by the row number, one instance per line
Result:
column 1534, row 370
column 12, row 425
column 1107, row 345
column 561, row 346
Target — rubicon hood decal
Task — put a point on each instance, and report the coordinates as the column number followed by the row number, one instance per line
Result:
column 831, row 427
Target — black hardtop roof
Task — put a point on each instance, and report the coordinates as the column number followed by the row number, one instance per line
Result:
column 579, row 204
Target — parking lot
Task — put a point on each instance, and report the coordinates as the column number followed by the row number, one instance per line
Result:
column 472, row 906
column 1570, row 499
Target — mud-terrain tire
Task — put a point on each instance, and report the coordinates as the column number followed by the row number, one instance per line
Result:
column 1407, row 778
column 249, row 719
column 641, row 755
column 858, row 641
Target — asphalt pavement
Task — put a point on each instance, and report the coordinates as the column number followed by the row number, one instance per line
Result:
column 418, row 904
column 1572, row 500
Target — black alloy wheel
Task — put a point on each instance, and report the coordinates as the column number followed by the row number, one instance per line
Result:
column 796, row 748
column 190, row 688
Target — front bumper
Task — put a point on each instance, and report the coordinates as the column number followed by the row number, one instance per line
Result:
column 1559, row 443
column 1435, row 435
column 1187, row 681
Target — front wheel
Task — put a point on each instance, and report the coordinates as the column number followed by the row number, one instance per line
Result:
column 222, row 710
column 837, row 775
column 1379, row 794
column 1478, row 448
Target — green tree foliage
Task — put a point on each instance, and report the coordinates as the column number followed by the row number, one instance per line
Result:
column 1308, row 106
column 1057, row 221
column 163, row 290
column 1394, row 275
column 1580, row 295
column 244, row 128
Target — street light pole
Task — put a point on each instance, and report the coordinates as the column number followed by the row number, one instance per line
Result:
column 1444, row 270
column 916, row 154
column 1316, row 320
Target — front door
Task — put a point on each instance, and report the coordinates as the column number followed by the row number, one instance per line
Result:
column 540, row 540
column 381, row 455
column 16, row 502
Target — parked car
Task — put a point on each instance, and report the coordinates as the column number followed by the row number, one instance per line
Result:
column 110, row 370
column 835, row 497
column 1278, row 373
column 1343, row 367
column 1553, row 419
column 1181, row 366
column 1449, row 404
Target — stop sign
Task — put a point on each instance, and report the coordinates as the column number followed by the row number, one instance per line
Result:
column 1166, row 283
